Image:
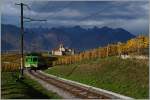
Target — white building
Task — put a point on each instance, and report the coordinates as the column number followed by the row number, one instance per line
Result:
column 62, row 51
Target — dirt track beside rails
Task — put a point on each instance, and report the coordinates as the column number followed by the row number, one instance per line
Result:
column 52, row 88
column 68, row 90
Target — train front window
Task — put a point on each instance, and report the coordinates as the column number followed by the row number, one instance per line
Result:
column 28, row 59
column 34, row 59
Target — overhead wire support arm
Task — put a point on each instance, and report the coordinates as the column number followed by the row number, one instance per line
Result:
column 38, row 20
column 23, row 5
column 27, row 6
column 31, row 19
column 28, row 19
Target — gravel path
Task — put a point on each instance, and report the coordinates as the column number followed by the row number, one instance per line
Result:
column 60, row 92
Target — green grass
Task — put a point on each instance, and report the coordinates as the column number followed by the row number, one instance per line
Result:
column 128, row 77
column 23, row 89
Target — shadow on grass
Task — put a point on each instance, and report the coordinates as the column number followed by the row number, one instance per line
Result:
column 32, row 92
column 10, row 92
column 28, row 91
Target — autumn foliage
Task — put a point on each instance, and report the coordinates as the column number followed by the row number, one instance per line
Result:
column 10, row 62
column 135, row 45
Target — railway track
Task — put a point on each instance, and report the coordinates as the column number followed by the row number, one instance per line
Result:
column 73, row 89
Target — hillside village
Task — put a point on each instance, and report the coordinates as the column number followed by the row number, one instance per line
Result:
column 61, row 50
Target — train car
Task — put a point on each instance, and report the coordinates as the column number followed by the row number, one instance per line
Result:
column 31, row 61
column 37, row 61
column 34, row 61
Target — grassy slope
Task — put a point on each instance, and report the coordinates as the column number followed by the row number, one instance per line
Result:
column 25, row 89
column 128, row 77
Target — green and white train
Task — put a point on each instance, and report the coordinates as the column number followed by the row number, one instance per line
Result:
column 33, row 61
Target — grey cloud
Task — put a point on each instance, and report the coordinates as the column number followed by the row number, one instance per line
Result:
column 126, row 14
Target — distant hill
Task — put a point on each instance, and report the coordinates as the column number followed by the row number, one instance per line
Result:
column 74, row 37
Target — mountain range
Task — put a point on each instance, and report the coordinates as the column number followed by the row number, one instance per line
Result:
column 78, row 38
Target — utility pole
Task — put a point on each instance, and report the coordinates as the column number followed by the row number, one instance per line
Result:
column 21, row 40
column 22, row 30
column 107, row 51
column 22, row 35
column 119, row 48
column 5, row 43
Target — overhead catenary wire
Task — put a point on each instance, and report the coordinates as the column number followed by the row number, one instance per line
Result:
column 61, row 8
column 91, row 15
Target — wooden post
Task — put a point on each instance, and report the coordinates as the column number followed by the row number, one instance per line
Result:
column 119, row 51
column 107, row 50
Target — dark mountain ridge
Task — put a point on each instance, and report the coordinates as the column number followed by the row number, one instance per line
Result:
column 74, row 37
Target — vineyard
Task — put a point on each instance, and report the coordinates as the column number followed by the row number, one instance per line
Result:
column 136, row 46
column 10, row 62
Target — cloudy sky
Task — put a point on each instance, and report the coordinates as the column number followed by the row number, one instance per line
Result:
column 130, row 15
